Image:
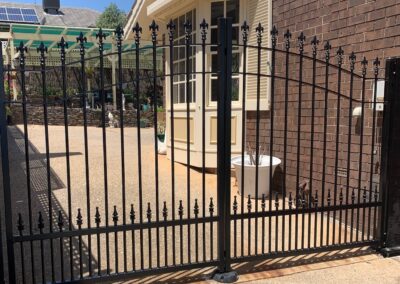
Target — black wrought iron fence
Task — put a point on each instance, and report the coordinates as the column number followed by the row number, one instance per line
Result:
column 113, row 209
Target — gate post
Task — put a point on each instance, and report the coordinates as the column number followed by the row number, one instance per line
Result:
column 224, row 272
column 6, row 174
column 390, row 162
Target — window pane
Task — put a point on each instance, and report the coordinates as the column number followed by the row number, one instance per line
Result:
column 189, row 17
column 235, row 35
column 181, row 27
column 176, row 94
column 214, row 63
column 176, row 28
column 235, row 89
column 193, row 86
column 182, row 93
column 214, row 90
column 232, row 10
column 182, row 70
column 214, row 39
column 235, row 62
column 217, row 11
column 176, row 71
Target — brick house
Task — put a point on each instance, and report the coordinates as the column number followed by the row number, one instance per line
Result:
column 369, row 28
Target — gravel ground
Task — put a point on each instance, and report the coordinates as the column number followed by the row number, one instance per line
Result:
column 103, row 251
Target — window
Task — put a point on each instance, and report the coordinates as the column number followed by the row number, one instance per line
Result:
column 180, row 57
column 225, row 8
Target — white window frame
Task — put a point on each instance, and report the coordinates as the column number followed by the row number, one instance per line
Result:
column 234, row 51
column 181, row 78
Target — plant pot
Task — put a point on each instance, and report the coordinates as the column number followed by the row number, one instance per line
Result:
column 144, row 123
column 161, row 137
column 250, row 174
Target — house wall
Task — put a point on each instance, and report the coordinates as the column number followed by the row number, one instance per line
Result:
column 370, row 29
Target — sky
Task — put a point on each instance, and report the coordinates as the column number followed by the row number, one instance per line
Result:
column 98, row 5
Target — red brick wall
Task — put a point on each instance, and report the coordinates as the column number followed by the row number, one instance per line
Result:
column 370, row 29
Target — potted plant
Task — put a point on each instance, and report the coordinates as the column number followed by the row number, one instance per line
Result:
column 249, row 164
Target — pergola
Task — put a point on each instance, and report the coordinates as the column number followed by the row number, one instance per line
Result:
column 32, row 36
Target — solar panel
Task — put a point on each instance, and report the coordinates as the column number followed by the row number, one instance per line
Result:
column 30, row 19
column 13, row 10
column 21, row 15
column 28, row 12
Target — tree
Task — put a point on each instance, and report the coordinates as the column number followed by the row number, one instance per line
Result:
column 111, row 18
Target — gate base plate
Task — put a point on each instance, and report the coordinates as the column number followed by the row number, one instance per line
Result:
column 226, row 277
column 389, row 252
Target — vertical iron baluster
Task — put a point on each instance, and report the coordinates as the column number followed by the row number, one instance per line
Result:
column 352, row 59
column 79, row 222
column 180, row 213
column 358, row 213
column 327, row 48
column 149, row 234
column 346, row 212
column 271, row 137
column 119, row 32
column 290, row 221
column 137, row 29
column 21, row 227
column 82, row 40
column 340, row 62
column 211, row 209
column 204, row 28
column 154, row 29
column 375, row 210
column 259, row 31
column 245, row 35
column 364, row 64
column 115, row 220
column 188, row 41
column 371, row 170
column 42, row 50
column 364, row 197
column 60, row 224
column 97, row 220
column 340, row 214
column 353, row 197
column 22, row 50
column 235, row 208
column 328, row 201
column 249, row 226
column 132, row 217
column 263, row 205
column 196, row 217
column 171, row 28
column 303, row 205
column 40, row 227
column 165, row 216
column 276, row 221
column 314, row 43
column 101, row 37
column 300, row 44
column 316, row 218
column 63, row 45
column 370, row 200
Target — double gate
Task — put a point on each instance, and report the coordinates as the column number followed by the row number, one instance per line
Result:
column 85, row 215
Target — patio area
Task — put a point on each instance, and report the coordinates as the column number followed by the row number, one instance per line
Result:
column 275, row 240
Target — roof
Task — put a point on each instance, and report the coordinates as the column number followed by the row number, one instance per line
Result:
column 67, row 17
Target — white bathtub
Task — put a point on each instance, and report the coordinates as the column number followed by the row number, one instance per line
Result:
column 250, row 174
